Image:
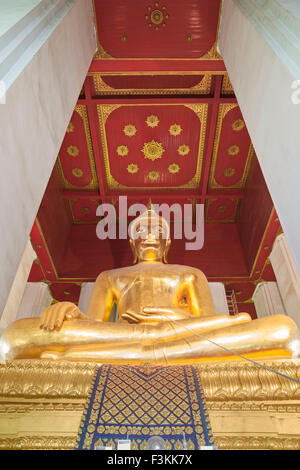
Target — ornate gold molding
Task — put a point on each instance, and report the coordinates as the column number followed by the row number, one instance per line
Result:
column 30, row 378
column 257, row 443
column 101, row 88
column 227, row 88
column 38, row 442
column 25, row 407
column 35, row 392
column 222, row 381
column 255, row 406
column 242, row 382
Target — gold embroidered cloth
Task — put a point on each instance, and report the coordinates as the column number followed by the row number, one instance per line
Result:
column 137, row 402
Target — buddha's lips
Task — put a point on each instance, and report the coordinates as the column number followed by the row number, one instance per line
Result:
column 150, row 243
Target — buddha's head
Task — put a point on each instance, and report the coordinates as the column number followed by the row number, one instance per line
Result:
column 150, row 237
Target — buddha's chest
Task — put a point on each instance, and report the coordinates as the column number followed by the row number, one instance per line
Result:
column 150, row 288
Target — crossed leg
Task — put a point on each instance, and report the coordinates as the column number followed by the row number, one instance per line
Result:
column 26, row 339
column 266, row 336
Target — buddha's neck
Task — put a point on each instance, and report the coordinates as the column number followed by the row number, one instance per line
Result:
column 150, row 261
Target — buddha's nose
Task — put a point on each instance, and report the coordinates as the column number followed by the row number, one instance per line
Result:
column 151, row 238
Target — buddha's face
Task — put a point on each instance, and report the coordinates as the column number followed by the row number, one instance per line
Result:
column 151, row 241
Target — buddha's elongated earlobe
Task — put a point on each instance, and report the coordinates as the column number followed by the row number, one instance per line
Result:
column 135, row 256
column 165, row 260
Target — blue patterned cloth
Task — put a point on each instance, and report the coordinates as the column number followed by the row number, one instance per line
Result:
column 137, row 402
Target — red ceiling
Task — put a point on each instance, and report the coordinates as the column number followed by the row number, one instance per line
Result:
column 146, row 29
column 164, row 82
column 162, row 125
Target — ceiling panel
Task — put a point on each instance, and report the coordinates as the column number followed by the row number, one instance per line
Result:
column 145, row 29
column 76, row 158
column 152, row 146
column 232, row 149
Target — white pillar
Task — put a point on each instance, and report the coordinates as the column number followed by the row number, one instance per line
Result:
column 267, row 300
column 35, row 299
column 10, row 311
column 260, row 44
column 44, row 59
column 219, row 298
column 85, row 294
column 287, row 277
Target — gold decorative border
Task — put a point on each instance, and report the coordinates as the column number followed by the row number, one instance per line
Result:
column 240, row 442
column 101, row 88
column 201, row 109
column 257, row 442
column 160, row 72
column 82, row 111
column 223, row 110
column 38, row 443
column 221, row 382
column 227, row 88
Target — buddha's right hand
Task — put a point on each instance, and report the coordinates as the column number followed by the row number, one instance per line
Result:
column 54, row 316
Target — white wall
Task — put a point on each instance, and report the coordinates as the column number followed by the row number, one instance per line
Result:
column 39, row 105
column 18, row 287
column 287, row 276
column 13, row 11
column 262, row 83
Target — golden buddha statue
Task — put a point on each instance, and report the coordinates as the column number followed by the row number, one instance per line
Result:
column 166, row 316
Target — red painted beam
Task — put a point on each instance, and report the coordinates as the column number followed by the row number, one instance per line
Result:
column 92, row 116
column 71, row 194
column 152, row 100
column 149, row 67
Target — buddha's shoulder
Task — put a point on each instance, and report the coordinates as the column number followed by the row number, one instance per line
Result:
column 188, row 270
column 111, row 273
column 175, row 269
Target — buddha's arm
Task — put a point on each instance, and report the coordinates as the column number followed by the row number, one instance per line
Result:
column 200, row 298
column 99, row 309
column 103, row 297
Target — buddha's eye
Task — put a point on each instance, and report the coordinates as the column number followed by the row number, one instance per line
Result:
column 158, row 229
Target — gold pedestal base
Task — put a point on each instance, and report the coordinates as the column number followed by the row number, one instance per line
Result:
column 250, row 408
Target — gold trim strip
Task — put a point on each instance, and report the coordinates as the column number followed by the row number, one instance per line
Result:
column 101, row 88
column 160, row 72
